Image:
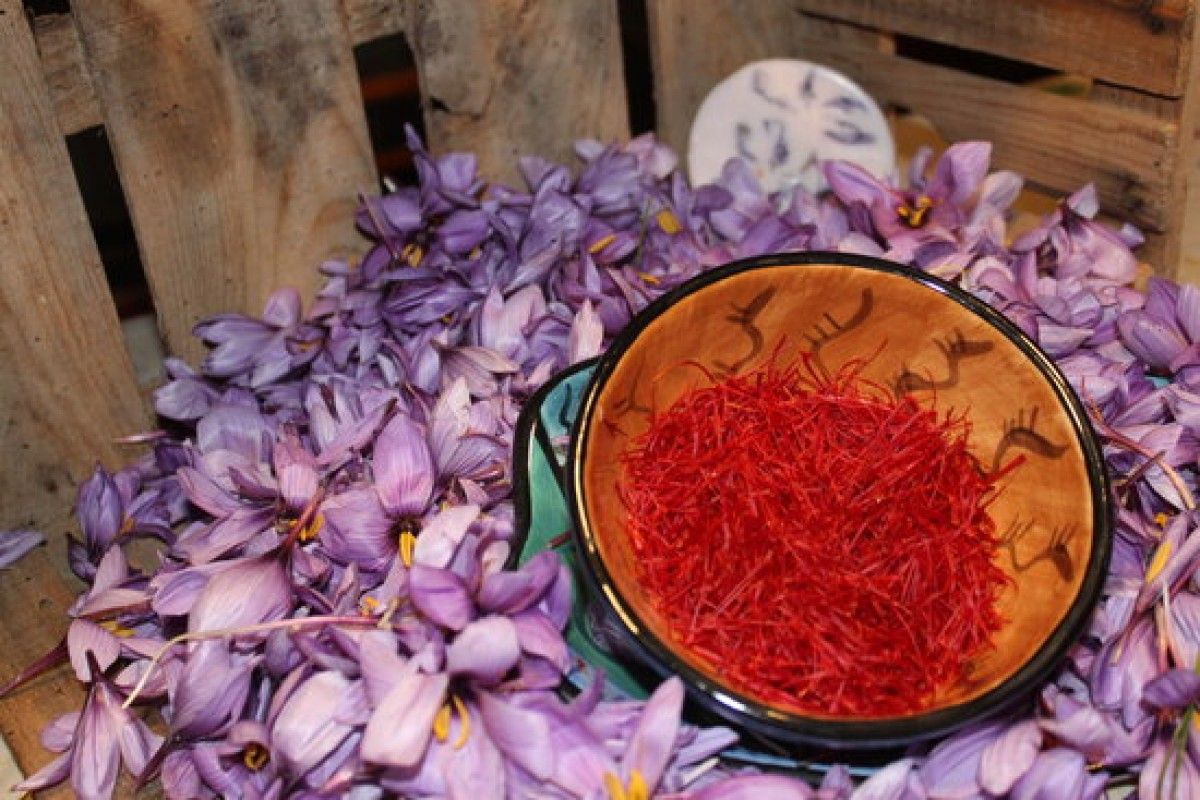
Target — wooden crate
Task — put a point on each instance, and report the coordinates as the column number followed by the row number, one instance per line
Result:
column 238, row 131
column 1133, row 134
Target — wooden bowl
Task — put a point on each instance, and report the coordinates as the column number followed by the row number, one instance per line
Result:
column 925, row 338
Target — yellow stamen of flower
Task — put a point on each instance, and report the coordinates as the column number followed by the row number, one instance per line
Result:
column 310, row 531
column 1159, row 562
column 408, row 544
column 914, row 215
column 126, row 527
column 368, row 605
column 413, row 254
column 668, row 221
column 255, row 756
column 635, row 789
column 448, row 318
column 1160, row 519
column 441, row 723
column 117, row 629
column 464, row 729
column 602, row 243
column 653, row 280
column 475, row 253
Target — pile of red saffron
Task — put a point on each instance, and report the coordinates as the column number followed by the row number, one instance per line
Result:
column 822, row 545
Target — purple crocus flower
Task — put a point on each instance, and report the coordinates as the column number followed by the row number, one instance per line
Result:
column 15, row 543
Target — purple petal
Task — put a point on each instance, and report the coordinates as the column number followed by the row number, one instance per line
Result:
column 100, row 510
column 520, row 734
column 398, row 733
column 539, row 636
column 442, row 535
column 485, row 649
column 204, row 493
column 853, row 184
column 587, row 334
column 959, row 171
column 53, row 773
column 441, row 596
column 247, row 592
column 1176, row 688
column 307, row 728
column 210, row 691
column 403, row 467
column 283, row 308
column 1057, row 774
column 510, row 592
column 85, row 636
column 1010, row 756
column 14, row 544
column 756, row 787
column 1183, row 632
column 652, row 740
column 96, row 757
column 357, row 530
column 896, row 781
column 58, row 735
column 951, row 770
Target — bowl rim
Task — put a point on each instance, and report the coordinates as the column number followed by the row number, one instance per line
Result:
column 797, row 728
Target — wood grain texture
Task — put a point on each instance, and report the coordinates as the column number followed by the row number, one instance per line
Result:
column 66, row 384
column 684, row 71
column 239, row 134
column 1114, row 41
column 72, row 91
column 1060, row 143
column 368, row 20
column 511, row 78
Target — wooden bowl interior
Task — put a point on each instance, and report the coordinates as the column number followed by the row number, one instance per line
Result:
column 917, row 341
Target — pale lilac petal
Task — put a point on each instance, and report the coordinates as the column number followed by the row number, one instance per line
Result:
column 403, row 467
column 211, row 690
column 14, row 544
column 836, row 785
column 84, row 637
column 587, row 334
column 853, row 184
column 485, row 650
column 959, row 171
column 442, row 535
column 896, row 781
column 52, row 774
column 520, row 734
column 180, row 778
column 357, row 530
column 441, row 596
column 1183, row 632
column 96, row 756
column 1010, row 756
column 539, row 636
column 1058, row 774
column 651, row 742
column 247, row 592
column 400, row 729
column 205, row 493
column 307, row 728
column 60, row 733
column 510, row 592
column 950, row 772
column 756, row 787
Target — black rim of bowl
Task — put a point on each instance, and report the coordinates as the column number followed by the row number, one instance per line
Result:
column 870, row 733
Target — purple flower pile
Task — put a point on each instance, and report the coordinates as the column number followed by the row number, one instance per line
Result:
column 330, row 614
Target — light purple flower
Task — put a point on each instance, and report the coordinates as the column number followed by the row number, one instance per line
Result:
column 14, row 544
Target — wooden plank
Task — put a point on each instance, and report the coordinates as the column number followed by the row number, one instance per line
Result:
column 1114, row 41
column 1061, row 142
column 684, row 72
column 239, row 134
column 72, row 91
column 66, row 385
column 517, row 77
column 368, row 20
